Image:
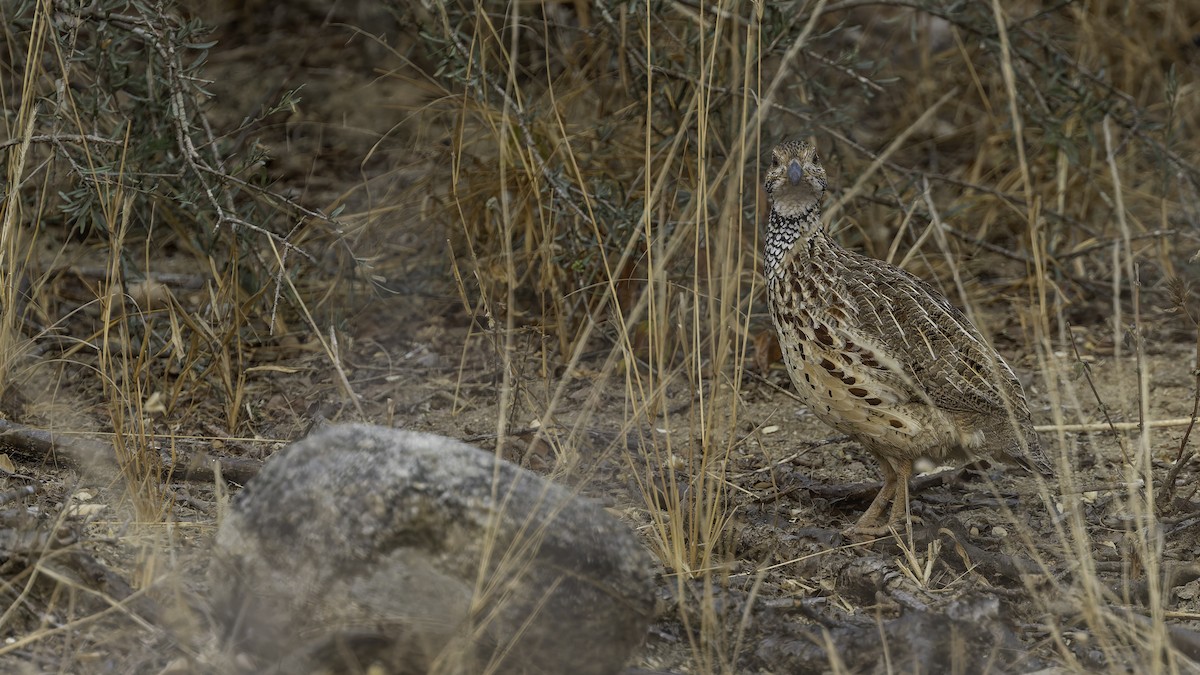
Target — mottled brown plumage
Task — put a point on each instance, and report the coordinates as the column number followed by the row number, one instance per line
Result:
column 878, row 354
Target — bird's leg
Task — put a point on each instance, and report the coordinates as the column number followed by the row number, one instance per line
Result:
column 870, row 518
column 903, row 470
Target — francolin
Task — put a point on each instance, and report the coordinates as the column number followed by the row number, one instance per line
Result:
column 879, row 354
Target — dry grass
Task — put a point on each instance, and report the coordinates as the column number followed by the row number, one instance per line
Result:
column 1042, row 153
column 119, row 202
column 602, row 194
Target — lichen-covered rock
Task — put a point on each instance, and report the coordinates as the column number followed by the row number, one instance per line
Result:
column 365, row 545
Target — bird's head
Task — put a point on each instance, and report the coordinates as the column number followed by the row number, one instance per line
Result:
column 796, row 177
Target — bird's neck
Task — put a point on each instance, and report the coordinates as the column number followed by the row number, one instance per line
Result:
column 788, row 224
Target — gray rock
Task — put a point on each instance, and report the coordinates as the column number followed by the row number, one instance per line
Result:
column 364, row 545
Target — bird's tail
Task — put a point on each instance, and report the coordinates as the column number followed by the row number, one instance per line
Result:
column 1032, row 457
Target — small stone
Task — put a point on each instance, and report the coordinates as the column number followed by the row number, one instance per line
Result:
column 178, row 666
column 83, row 510
column 998, row 531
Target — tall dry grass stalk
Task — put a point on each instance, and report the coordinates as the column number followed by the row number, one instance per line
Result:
column 125, row 378
column 672, row 297
column 15, row 240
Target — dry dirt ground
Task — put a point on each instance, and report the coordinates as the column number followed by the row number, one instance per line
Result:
column 965, row 589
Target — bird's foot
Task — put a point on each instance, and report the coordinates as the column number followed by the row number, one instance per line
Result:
column 863, row 530
column 869, row 525
column 860, row 532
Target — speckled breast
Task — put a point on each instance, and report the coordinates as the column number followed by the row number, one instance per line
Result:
column 848, row 385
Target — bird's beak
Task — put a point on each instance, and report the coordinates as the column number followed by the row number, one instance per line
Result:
column 795, row 172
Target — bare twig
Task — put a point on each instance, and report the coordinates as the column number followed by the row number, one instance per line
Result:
column 1180, row 292
column 178, row 464
column 1087, row 374
column 55, row 139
